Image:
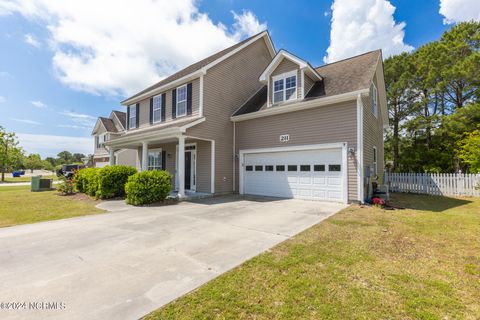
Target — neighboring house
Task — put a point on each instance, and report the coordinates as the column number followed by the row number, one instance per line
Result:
column 104, row 130
column 252, row 120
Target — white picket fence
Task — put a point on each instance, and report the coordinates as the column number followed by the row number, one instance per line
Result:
column 441, row 184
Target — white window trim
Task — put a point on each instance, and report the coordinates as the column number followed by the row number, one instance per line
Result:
column 153, row 109
column 148, row 155
column 375, row 161
column 374, row 100
column 102, row 138
column 132, row 124
column 177, row 115
column 284, row 76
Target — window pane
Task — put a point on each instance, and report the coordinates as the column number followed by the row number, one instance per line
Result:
column 182, row 93
column 319, row 167
column 268, row 168
column 278, row 97
column 280, row 168
column 291, row 82
column 334, row 167
column 258, row 168
column 249, row 168
column 292, row 168
column 290, row 93
column 278, row 85
column 181, row 108
column 305, row 167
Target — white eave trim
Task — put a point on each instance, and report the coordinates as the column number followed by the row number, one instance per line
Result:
column 282, row 54
column 202, row 71
column 302, row 105
column 148, row 133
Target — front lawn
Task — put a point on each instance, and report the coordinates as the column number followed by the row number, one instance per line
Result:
column 10, row 179
column 18, row 205
column 422, row 262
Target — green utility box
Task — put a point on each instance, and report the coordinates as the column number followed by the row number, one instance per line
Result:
column 41, row 184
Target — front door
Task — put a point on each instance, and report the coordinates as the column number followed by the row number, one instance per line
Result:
column 188, row 170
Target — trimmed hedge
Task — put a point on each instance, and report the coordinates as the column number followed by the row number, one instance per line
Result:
column 103, row 183
column 86, row 181
column 148, row 187
column 112, row 180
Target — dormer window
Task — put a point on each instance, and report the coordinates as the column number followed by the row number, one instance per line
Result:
column 285, row 87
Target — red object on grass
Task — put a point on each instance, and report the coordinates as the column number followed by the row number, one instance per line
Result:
column 379, row 201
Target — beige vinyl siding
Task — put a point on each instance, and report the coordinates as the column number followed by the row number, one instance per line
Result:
column 226, row 87
column 170, row 149
column 203, row 166
column 284, row 66
column 127, row 157
column 308, row 83
column 327, row 124
column 144, row 111
column 373, row 136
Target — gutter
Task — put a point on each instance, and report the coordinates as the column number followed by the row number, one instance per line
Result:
column 304, row 105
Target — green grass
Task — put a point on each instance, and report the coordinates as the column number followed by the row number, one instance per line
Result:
column 422, row 262
column 18, row 205
column 9, row 179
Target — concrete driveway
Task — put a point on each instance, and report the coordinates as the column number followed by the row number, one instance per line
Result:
column 124, row 264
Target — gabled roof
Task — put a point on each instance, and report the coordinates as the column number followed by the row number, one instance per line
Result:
column 344, row 76
column 203, row 64
column 121, row 116
column 107, row 124
column 284, row 54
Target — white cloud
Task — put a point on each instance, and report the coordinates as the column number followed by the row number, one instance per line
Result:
column 359, row 26
column 81, row 119
column 38, row 104
column 73, row 126
column 121, row 50
column 31, row 40
column 50, row 145
column 27, row 121
column 459, row 10
column 247, row 24
column 2, row 99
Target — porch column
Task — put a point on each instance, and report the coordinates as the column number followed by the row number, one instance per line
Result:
column 181, row 166
column 111, row 156
column 144, row 156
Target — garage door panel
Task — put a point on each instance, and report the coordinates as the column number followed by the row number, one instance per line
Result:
column 312, row 180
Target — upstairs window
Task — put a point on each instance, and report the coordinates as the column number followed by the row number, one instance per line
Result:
column 374, row 100
column 132, row 120
column 285, row 87
column 100, row 140
column 157, row 108
column 181, row 101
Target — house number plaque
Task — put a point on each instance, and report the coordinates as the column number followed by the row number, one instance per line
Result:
column 284, row 137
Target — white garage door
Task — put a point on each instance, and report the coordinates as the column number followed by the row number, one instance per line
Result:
column 101, row 164
column 310, row 174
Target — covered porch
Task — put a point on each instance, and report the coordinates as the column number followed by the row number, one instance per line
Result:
column 190, row 160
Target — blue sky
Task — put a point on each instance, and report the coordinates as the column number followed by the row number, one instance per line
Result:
column 56, row 76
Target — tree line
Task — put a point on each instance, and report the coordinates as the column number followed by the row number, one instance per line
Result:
column 434, row 109
column 13, row 157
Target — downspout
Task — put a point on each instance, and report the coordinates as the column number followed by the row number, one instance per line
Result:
column 234, row 150
column 360, row 169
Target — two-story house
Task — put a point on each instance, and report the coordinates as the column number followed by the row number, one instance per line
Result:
column 106, row 129
column 252, row 120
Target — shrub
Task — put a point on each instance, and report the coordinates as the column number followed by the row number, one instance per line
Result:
column 66, row 186
column 148, row 187
column 86, row 180
column 112, row 180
